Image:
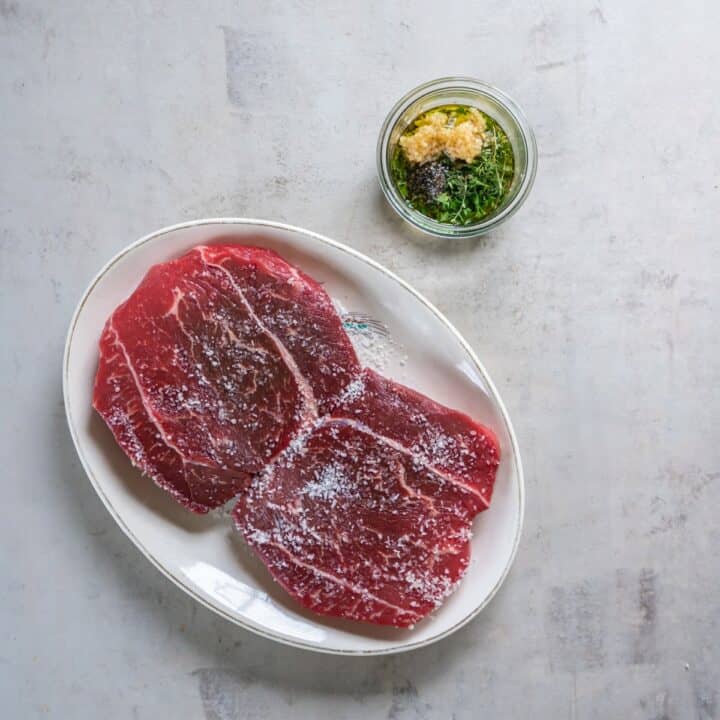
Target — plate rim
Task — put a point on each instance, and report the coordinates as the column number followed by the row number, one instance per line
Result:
column 393, row 649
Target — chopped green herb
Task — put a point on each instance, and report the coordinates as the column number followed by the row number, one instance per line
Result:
column 454, row 191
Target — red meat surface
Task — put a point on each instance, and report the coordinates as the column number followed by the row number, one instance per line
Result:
column 298, row 312
column 207, row 371
column 448, row 441
column 368, row 514
column 227, row 373
column 199, row 486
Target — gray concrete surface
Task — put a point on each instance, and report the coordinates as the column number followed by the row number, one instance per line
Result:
column 595, row 310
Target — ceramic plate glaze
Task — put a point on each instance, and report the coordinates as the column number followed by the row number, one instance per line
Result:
column 203, row 555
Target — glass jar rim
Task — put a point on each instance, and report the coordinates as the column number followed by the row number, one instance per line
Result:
column 428, row 89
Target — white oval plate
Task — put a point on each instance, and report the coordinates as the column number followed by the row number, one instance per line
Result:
column 203, row 554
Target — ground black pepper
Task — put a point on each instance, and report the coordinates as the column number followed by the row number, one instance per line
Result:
column 428, row 180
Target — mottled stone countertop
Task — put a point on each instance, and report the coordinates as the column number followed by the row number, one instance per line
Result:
column 595, row 310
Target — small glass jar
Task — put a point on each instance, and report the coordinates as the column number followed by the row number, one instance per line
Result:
column 491, row 101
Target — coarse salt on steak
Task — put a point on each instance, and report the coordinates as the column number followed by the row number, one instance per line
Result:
column 196, row 485
column 447, row 440
column 228, row 373
column 212, row 365
column 299, row 313
column 368, row 514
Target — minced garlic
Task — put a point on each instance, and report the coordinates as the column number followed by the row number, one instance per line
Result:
column 435, row 136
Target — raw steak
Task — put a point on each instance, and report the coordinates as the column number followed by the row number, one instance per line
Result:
column 227, row 372
column 368, row 514
column 448, row 441
column 199, row 486
column 213, row 364
column 297, row 311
